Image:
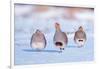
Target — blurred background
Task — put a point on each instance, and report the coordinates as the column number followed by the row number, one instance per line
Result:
column 30, row 17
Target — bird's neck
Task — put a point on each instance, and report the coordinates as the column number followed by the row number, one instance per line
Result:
column 81, row 30
column 58, row 30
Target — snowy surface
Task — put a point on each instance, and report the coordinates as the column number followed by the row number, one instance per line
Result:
column 26, row 25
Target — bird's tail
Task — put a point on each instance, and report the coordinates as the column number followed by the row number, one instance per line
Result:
column 58, row 43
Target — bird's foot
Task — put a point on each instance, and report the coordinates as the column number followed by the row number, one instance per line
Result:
column 63, row 49
column 60, row 50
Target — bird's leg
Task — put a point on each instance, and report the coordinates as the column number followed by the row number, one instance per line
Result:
column 60, row 50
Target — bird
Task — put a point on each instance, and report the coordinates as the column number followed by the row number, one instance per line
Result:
column 60, row 38
column 38, row 40
column 80, row 37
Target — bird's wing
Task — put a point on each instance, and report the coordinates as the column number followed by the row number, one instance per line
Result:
column 85, row 35
column 65, row 36
column 32, row 39
column 54, row 37
column 75, row 35
column 44, row 40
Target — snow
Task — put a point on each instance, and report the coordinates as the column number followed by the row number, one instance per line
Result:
column 26, row 26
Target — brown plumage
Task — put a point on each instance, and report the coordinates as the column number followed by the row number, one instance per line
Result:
column 80, row 37
column 38, row 40
column 60, row 38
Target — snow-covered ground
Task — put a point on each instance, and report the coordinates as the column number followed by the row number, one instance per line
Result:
column 26, row 24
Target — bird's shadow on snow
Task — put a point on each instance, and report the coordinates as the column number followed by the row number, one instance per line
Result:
column 74, row 46
column 71, row 46
column 52, row 51
column 31, row 50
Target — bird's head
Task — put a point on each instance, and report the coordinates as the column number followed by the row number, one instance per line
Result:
column 81, row 28
column 38, row 31
column 57, row 26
